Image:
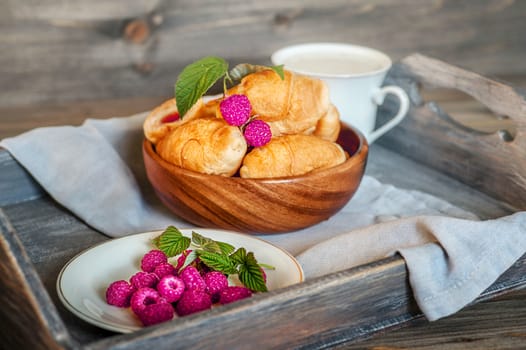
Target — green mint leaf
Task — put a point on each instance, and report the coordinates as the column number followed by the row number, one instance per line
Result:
column 250, row 274
column 172, row 242
column 226, row 248
column 205, row 243
column 243, row 69
column 190, row 258
column 210, row 245
column 240, row 71
column 195, row 80
column 279, row 70
column 218, row 262
column 198, row 239
column 239, row 256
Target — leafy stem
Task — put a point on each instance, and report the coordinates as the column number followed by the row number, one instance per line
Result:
column 198, row 77
column 217, row 255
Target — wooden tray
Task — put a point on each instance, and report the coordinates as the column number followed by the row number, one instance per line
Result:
column 38, row 237
column 490, row 160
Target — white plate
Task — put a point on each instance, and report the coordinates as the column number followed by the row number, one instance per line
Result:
column 82, row 282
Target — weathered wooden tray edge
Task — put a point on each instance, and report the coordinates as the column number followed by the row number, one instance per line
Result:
column 340, row 307
column 490, row 162
column 381, row 286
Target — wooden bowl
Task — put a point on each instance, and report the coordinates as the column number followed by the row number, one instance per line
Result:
column 259, row 205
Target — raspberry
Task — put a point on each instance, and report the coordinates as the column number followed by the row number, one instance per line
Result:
column 193, row 301
column 192, row 278
column 164, row 269
column 235, row 109
column 143, row 279
column 156, row 313
column 170, row 118
column 145, row 296
column 233, row 293
column 215, row 282
column 171, row 288
column 151, row 259
column 257, row 133
column 119, row 293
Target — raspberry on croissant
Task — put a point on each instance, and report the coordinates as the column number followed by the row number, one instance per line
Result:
column 290, row 106
column 291, row 155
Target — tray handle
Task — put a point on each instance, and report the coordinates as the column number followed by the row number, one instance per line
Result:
column 492, row 163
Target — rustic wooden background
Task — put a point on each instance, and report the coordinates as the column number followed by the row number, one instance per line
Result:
column 58, row 51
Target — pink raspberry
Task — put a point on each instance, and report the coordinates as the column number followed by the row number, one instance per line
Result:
column 193, row 301
column 171, row 288
column 192, row 278
column 151, row 259
column 119, row 293
column 215, row 282
column 144, row 279
column 257, row 133
column 156, row 313
column 170, row 118
column 145, row 296
column 235, row 109
column 164, row 269
column 233, row 293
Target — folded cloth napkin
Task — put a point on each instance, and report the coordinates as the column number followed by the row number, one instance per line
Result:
column 450, row 260
column 96, row 171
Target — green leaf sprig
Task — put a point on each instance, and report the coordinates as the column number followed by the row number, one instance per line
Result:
column 198, row 77
column 218, row 256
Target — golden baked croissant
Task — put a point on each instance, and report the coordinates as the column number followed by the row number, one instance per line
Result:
column 206, row 145
column 290, row 106
column 165, row 118
column 328, row 127
column 291, row 155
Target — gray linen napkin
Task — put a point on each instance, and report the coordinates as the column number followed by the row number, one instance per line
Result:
column 96, row 171
column 450, row 260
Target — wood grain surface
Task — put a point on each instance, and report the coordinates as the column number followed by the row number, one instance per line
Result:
column 55, row 51
column 491, row 160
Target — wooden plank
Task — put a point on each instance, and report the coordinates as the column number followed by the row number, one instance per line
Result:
column 493, row 162
column 29, row 319
column 473, row 328
column 55, row 51
column 16, row 185
column 392, row 168
column 51, row 236
column 16, row 120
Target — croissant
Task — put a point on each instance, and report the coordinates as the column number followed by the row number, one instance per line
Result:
column 328, row 127
column 291, row 155
column 290, row 106
column 206, row 145
column 165, row 118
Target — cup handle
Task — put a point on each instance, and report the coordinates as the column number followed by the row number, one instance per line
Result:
column 378, row 98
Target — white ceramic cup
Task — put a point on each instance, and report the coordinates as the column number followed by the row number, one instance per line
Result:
column 354, row 74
